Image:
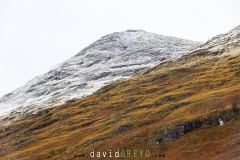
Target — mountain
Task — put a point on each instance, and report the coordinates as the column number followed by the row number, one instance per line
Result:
column 185, row 108
column 113, row 57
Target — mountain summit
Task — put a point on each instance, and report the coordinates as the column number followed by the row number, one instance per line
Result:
column 114, row 56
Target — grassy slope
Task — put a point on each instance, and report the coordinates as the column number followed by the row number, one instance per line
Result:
column 130, row 113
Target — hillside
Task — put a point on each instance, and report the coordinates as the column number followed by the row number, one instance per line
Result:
column 174, row 109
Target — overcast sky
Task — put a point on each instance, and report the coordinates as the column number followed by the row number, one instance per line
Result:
column 35, row 35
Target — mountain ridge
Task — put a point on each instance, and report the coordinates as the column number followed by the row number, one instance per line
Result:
column 220, row 43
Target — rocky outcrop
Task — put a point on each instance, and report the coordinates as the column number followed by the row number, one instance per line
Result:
column 185, row 127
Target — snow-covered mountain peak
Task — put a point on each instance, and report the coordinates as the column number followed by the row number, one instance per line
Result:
column 112, row 57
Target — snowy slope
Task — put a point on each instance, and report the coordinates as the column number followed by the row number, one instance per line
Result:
column 114, row 56
column 220, row 43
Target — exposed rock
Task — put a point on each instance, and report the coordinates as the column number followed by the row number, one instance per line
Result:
column 185, row 127
column 123, row 128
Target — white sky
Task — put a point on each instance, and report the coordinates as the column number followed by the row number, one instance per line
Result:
column 35, row 35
